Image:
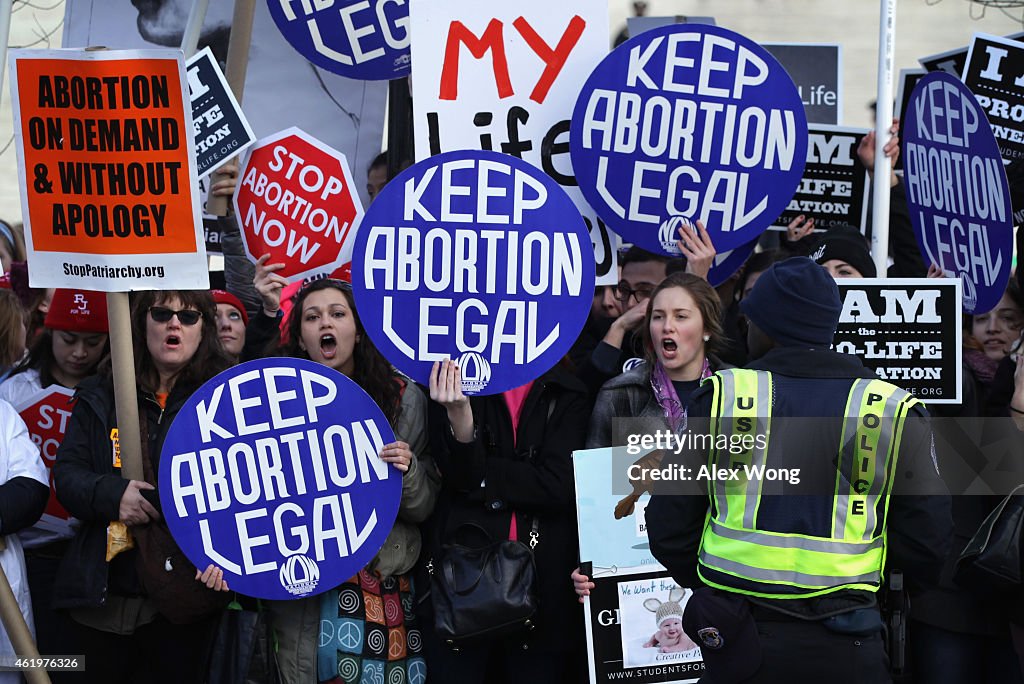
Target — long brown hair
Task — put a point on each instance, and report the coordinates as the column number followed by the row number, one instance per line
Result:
column 708, row 303
column 12, row 334
column 370, row 370
column 210, row 357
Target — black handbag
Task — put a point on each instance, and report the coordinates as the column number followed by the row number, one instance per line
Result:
column 243, row 649
column 991, row 561
column 481, row 593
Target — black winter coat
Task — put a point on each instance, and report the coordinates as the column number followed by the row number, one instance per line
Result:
column 90, row 488
column 533, row 478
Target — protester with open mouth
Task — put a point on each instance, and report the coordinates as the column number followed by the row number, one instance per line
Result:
column 682, row 329
column 129, row 633
column 323, row 326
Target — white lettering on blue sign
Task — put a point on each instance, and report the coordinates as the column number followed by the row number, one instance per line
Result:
column 273, row 459
column 692, row 121
column 473, row 253
column 362, row 39
column 957, row 189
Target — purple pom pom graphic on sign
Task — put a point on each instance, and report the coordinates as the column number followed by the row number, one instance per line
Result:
column 957, row 190
column 688, row 121
column 475, row 256
column 270, row 471
column 367, row 40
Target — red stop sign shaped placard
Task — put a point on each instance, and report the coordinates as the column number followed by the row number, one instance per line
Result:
column 46, row 415
column 296, row 201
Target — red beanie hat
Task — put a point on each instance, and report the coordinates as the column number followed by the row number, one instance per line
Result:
column 81, row 311
column 225, row 297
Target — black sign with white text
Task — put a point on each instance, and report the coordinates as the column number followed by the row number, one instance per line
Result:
column 817, row 72
column 834, row 187
column 905, row 86
column 952, row 61
column 624, row 632
column 995, row 73
column 220, row 128
column 908, row 331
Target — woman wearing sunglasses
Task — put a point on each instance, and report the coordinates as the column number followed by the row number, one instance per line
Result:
column 323, row 326
column 123, row 634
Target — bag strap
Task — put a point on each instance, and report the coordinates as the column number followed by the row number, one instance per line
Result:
column 990, row 522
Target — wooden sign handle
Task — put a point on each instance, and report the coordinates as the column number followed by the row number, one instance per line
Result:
column 14, row 623
column 238, row 62
column 122, row 359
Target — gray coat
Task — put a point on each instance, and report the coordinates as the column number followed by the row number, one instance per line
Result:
column 629, row 395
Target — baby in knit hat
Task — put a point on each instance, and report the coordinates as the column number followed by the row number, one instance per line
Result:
column 670, row 637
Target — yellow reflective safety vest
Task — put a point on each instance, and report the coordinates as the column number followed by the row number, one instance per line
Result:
column 735, row 555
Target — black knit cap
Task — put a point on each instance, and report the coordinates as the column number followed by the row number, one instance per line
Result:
column 796, row 303
column 846, row 246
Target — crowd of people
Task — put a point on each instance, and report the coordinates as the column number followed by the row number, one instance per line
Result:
column 658, row 346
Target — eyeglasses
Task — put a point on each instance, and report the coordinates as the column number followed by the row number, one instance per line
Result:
column 162, row 314
column 623, row 292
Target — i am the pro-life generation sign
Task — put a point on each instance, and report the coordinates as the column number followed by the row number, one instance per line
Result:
column 834, row 188
column 957, row 191
column 908, row 331
column 218, row 123
column 690, row 121
column 994, row 72
column 271, row 472
column 475, row 256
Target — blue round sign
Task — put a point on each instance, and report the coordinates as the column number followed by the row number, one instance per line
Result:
column 475, row 256
column 270, row 471
column 366, row 40
column 957, row 190
column 729, row 262
column 688, row 121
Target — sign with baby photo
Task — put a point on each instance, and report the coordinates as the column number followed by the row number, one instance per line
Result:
column 632, row 612
column 634, row 631
column 651, row 623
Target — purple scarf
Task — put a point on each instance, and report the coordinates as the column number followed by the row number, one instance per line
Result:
column 984, row 368
column 668, row 399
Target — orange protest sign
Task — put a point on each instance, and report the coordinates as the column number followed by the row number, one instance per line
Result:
column 107, row 164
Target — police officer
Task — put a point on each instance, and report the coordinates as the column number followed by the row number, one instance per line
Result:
column 819, row 477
